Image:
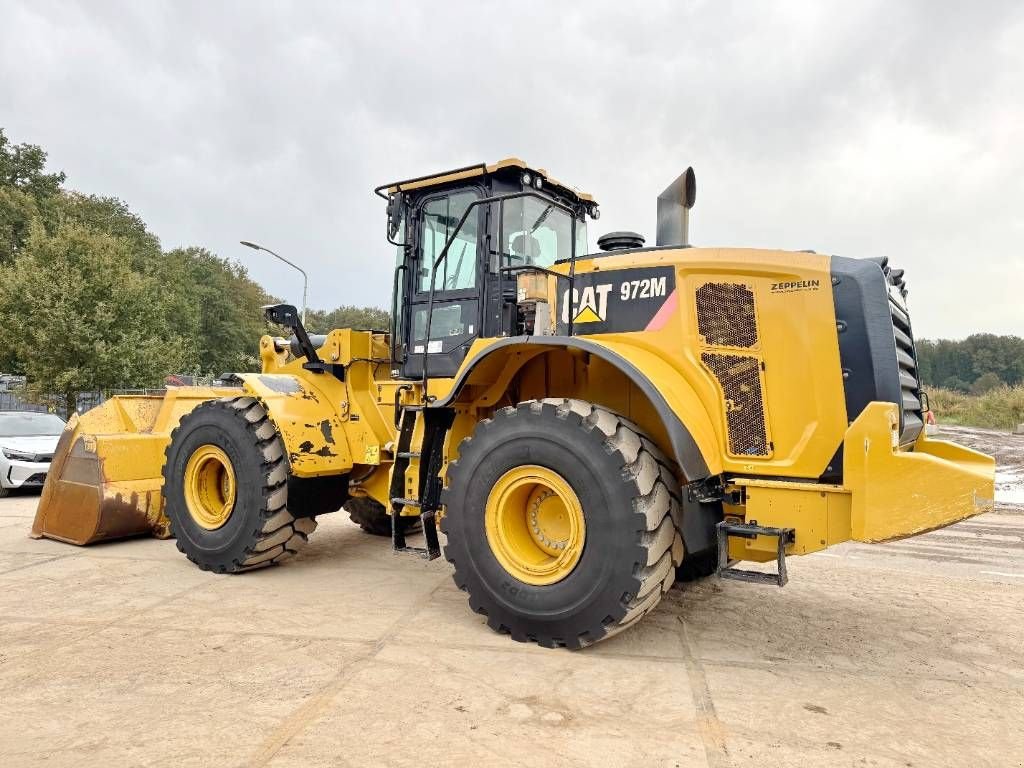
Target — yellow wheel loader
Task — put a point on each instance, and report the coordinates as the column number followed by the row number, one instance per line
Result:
column 584, row 428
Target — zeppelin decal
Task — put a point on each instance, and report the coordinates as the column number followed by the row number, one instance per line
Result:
column 798, row 285
column 619, row 301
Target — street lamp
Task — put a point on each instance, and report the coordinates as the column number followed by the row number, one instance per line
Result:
column 305, row 278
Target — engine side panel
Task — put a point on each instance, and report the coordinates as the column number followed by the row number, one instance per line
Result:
column 752, row 333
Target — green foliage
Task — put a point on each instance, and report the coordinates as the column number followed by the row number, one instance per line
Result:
column 21, row 168
column 215, row 305
column 959, row 364
column 114, row 217
column 26, row 193
column 89, row 301
column 999, row 408
column 79, row 317
column 985, row 383
column 17, row 211
column 346, row 316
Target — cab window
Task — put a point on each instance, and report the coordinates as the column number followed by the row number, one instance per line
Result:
column 458, row 269
column 536, row 233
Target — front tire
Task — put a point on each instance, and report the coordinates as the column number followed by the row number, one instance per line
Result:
column 226, row 489
column 561, row 522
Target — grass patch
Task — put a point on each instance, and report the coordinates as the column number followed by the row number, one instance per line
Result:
column 999, row 408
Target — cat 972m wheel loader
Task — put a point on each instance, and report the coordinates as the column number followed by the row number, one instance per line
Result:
column 586, row 428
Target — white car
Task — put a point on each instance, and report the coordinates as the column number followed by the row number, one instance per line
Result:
column 27, row 443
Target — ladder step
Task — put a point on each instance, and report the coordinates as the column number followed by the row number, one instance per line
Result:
column 407, row 502
column 424, row 552
column 408, row 455
column 727, row 568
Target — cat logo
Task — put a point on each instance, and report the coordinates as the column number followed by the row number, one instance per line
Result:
column 589, row 305
column 616, row 301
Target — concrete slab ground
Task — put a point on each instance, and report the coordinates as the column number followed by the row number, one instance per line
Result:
column 902, row 654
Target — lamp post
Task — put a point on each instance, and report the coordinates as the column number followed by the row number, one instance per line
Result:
column 305, row 278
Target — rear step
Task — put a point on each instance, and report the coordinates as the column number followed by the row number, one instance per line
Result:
column 433, row 549
column 726, row 567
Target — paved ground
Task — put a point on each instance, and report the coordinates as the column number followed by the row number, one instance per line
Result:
column 906, row 654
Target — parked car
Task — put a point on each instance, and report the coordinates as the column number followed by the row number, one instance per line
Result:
column 27, row 443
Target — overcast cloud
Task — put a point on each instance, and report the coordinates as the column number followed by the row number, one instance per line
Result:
column 860, row 129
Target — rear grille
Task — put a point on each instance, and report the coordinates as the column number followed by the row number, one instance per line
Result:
column 725, row 315
column 740, row 379
column 906, row 355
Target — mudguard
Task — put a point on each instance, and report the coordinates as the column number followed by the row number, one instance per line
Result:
column 311, row 414
column 691, row 434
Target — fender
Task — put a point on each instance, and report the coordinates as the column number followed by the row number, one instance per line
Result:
column 686, row 421
column 302, row 409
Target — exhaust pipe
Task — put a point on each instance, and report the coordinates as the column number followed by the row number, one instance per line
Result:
column 674, row 206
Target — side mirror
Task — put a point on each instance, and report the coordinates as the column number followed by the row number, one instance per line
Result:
column 396, row 207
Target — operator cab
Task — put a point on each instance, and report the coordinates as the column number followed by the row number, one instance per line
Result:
column 474, row 230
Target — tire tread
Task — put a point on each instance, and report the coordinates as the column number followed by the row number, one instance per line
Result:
column 280, row 535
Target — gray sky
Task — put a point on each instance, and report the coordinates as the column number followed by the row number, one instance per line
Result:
column 860, row 129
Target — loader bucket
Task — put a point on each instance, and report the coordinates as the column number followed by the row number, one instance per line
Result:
column 105, row 478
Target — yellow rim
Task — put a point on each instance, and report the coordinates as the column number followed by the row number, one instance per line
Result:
column 209, row 487
column 535, row 525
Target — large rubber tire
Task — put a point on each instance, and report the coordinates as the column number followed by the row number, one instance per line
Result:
column 259, row 530
column 4, row 492
column 370, row 515
column 630, row 504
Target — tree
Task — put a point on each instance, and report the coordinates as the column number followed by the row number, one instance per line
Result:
column 80, row 318
column 21, row 167
column 114, row 217
column 216, row 305
column 26, row 192
column 17, row 211
column 955, row 364
column 347, row 316
column 985, row 382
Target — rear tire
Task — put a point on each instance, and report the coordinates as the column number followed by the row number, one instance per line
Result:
column 370, row 515
column 629, row 502
column 257, row 529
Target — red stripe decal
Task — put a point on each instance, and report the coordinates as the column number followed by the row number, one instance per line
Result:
column 663, row 314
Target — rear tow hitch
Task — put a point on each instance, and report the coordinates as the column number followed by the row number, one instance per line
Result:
column 727, row 568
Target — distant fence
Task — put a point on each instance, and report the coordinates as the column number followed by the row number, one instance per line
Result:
column 15, row 401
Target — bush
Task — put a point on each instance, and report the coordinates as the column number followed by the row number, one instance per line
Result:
column 999, row 408
column 985, row 383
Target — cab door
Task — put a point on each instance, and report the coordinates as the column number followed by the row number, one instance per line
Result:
column 457, row 312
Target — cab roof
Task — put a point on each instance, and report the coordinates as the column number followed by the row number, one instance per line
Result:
column 471, row 171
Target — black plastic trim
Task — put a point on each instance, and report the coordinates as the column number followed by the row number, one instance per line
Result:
column 684, row 447
column 867, row 346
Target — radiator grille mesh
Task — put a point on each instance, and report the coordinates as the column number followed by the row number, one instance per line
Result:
column 740, row 378
column 725, row 315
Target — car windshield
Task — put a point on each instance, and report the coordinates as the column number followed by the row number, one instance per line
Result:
column 539, row 234
column 30, row 424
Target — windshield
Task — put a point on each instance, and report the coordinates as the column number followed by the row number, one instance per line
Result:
column 30, row 424
column 537, row 233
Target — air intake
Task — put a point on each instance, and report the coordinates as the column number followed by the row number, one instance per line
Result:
column 617, row 241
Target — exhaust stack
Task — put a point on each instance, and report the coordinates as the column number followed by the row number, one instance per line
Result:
column 674, row 206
